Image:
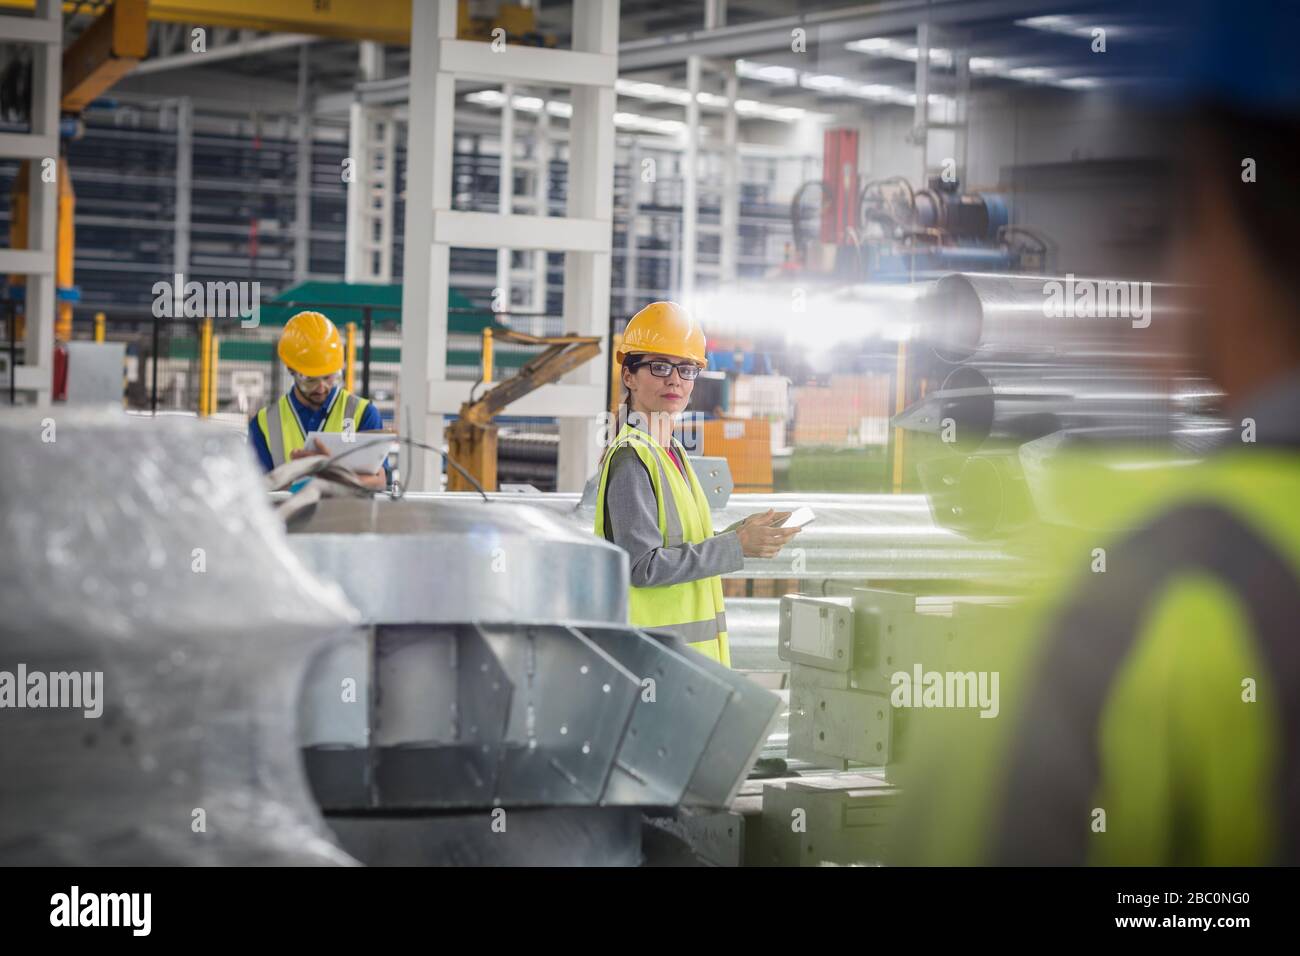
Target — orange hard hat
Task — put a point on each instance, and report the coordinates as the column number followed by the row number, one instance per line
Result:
column 310, row 345
column 664, row 328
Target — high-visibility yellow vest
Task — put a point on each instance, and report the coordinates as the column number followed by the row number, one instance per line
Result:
column 1149, row 711
column 692, row 610
column 283, row 432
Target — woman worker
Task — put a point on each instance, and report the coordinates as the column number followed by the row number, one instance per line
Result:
column 650, row 503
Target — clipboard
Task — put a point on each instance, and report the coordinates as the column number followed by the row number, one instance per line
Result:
column 366, row 453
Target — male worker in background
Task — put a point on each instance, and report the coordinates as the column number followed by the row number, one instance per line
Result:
column 1156, row 712
column 312, row 349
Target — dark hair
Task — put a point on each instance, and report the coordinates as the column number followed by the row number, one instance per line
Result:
column 628, row 360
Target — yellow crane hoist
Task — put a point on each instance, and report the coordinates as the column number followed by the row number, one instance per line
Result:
column 472, row 438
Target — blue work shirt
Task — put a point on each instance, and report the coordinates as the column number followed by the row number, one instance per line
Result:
column 312, row 420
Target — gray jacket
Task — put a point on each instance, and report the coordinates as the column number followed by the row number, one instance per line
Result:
column 632, row 523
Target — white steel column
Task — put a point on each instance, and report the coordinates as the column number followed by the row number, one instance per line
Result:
column 690, row 170
column 184, row 184
column 630, row 268
column 587, row 273
column 505, row 194
column 426, row 264
column 960, row 119
column 541, row 197
column 45, row 29
column 372, row 141
column 730, row 181
column 302, row 191
column 921, row 118
column 590, row 68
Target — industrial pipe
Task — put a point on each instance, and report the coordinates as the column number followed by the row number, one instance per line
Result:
column 854, row 537
column 1020, row 403
column 966, row 314
column 205, row 366
column 752, row 626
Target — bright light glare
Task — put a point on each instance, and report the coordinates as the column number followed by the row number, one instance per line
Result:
column 653, row 92
column 1070, row 26
column 991, row 66
column 494, row 99
column 814, row 318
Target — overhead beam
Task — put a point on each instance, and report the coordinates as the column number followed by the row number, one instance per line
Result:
column 213, row 90
column 386, row 21
column 105, row 52
column 828, row 26
column 389, row 21
column 226, row 51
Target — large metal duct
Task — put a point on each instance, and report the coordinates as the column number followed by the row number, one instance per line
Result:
column 496, row 672
column 146, row 553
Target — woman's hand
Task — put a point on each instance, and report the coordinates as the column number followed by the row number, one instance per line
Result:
column 761, row 535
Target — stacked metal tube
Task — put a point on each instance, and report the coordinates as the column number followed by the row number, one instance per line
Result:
column 1024, row 359
column 856, row 540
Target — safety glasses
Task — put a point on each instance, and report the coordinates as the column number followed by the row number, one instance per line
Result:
column 688, row 371
column 307, row 383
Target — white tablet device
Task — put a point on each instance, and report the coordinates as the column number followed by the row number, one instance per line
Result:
column 367, row 452
column 799, row 518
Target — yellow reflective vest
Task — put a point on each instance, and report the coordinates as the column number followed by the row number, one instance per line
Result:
column 693, row 610
column 1150, row 710
column 283, row 432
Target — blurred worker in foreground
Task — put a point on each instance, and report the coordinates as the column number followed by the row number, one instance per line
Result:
column 650, row 503
column 313, row 351
column 1152, row 713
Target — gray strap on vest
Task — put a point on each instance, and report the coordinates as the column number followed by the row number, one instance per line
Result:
column 275, row 433
column 673, row 519
column 350, row 412
column 1055, row 766
column 692, row 632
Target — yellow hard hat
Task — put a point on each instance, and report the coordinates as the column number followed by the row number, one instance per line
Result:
column 310, row 345
column 664, row 328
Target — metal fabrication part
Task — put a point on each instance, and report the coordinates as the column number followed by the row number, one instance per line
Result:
column 495, row 670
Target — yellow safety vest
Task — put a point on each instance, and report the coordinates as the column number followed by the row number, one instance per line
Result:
column 283, row 432
column 1163, row 688
column 692, row 610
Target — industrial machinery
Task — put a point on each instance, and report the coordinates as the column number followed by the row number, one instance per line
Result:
column 864, row 555
column 495, row 672
column 1025, row 366
column 452, row 684
column 886, row 230
column 906, row 232
column 472, row 437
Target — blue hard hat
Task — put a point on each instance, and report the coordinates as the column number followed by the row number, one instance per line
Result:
column 1244, row 54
